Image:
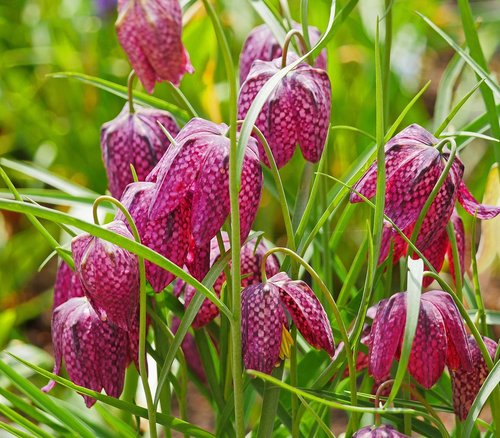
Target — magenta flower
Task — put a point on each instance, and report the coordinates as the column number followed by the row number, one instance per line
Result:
column 264, row 321
column 95, row 352
column 384, row 431
column 297, row 111
column 250, row 263
column 262, row 45
column 150, row 33
column 413, row 166
column 169, row 235
column 196, row 169
column 466, row 383
column 67, row 285
column 109, row 274
column 440, row 338
column 137, row 139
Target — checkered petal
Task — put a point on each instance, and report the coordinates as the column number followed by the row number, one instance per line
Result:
column 473, row 207
column 67, row 285
column 458, row 227
column 384, row 431
column 435, row 253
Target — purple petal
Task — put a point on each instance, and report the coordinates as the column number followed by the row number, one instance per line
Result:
column 384, row 431
column 458, row 227
column 208, row 310
column 428, row 351
column 262, row 322
column 458, row 350
column 67, row 285
column 307, row 313
column 190, row 350
column 198, row 260
column 473, row 207
column 435, row 253
column 386, row 333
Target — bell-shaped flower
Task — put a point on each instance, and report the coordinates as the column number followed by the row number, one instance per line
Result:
column 196, row 169
column 440, row 338
column 134, row 138
column 264, row 323
column 67, row 285
column 413, row 167
column 150, row 33
column 250, row 262
column 296, row 112
column 262, row 45
column 384, row 431
column 466, row 383
column 109, row 274
column 95, row 352
column 168, row 235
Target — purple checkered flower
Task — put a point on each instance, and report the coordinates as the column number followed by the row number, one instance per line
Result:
column 134, row 138
column 109, row 274
column 413, row 167
column 384, row 431
column 168, row 235
column 250, row 263
column 150, row 33
column 67, row 285
column 264, row 326
column 296, row 112
column 96, row 352
column 440, row 338
column 196, row 169
column 467, row 382
column 262, row 45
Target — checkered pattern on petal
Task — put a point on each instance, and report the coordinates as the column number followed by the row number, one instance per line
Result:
column 67, row 285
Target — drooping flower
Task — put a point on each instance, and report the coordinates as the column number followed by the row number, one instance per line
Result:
column 296, row 112
column 413, row 167
column 134, row 138
column 466, row 383
column 196, row 169
column 150, row 33
column 67, row 285
column 262, row 45
column 95, row 351
column 250, row 263
column 109, row 274
column 440, row 338
column 169, row 235
column 264, row 326
column 384, row 431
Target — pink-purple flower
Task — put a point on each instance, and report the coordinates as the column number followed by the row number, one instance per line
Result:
column 134, row 138
column 67, row 285
column 384, row 431
column 265, row 323
column 150, row 33
column 262, row 45
column 296, row 112
column 440, row 338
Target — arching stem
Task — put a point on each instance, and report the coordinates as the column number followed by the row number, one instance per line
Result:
column 288, row 39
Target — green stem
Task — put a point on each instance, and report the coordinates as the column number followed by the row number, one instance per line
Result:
column 130, row 88
column 142, row 309
column 450, row 230
column 387, row 56
column 270, row 401
column 129, row 391
column 288, row 39
column 302, row 194
column 481, row 314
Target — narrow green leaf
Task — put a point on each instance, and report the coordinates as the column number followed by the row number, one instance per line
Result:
column 271, row 18
column 15, row 417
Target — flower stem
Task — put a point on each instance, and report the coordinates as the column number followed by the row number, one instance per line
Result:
column 288, row 39
column 142, row 309
column 130, row 87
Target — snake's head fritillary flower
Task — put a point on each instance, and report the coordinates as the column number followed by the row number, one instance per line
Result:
column 440, row 338
column 109, row 274
column 262, row 45
column 168, row 235
column 196, row 169
column 384, row 431
column 296, row 112
column 67, row 285
column 466, row 383
column 264, row 326
column 95, row 352
column 134, row 138
column 150, row 33
column 250, row 262
column 413, row 167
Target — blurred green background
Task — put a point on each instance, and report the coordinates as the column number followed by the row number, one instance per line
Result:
column 55, row 123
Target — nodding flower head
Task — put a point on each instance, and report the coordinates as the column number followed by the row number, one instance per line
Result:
column 296, row 112
column 196, row 170
column 95, row 352
column 134, row 138
column 168, row 235
column 262, row 45
column 109, row 274
column 150, row 33
column 264, row 326
column 250, row 263
column 440, row 338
